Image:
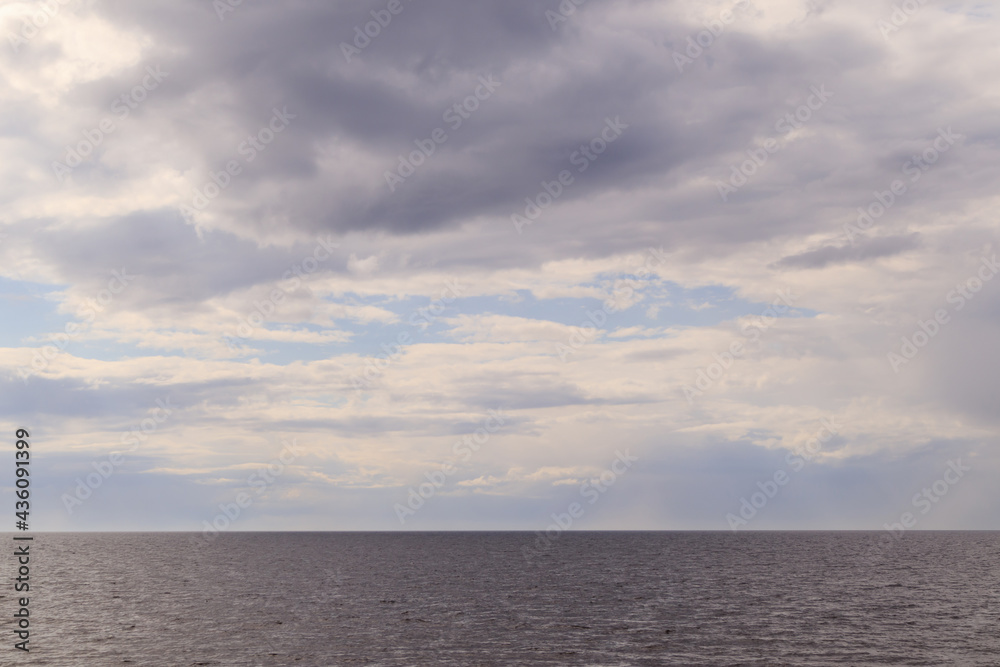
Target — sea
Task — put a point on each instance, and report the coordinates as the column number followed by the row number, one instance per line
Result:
column 508, row 598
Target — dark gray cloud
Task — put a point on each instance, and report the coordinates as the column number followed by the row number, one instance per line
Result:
column 557, row 89
column 170, row 262
column 860, row 251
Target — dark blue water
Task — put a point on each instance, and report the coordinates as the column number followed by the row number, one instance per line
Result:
column 474, row 599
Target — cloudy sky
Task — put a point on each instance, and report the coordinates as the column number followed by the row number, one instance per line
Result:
column 689, row 265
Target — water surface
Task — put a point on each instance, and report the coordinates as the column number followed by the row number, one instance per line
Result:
column 653, row 598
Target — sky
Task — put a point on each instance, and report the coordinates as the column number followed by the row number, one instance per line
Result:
column 505, row 264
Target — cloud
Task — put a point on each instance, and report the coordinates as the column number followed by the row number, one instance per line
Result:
column 428, row 289
column 869, row 249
